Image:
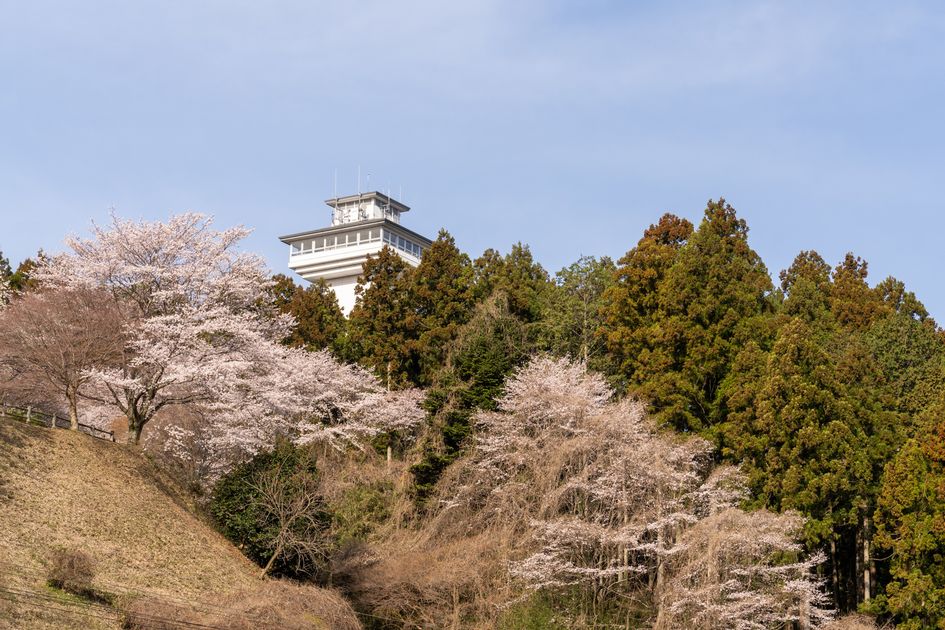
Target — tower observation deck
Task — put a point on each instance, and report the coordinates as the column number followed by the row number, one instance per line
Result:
column 361, row 225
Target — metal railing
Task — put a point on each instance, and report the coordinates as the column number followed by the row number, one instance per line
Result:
column 31, row 415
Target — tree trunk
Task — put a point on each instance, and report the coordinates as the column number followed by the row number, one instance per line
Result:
column 73, row 412
column 134, row 432
column 272, row 560
column 857, row 567
column 866, row 559
column 804, row 612
column 834, row 572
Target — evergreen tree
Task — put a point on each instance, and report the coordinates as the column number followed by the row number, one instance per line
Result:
column 893, row 294
column 5, row 270
column 442, row 293
column 815, row 420
column 524, row 282
column 574, row 309
column 911, row 355
column 486, row 271
column 808, row 437
column 480, row 345
column 806, row 287
column 812, row 436
column 21, row 280
column 713, row 300
column 910, row 520
column 384, row 323
column 486, row 350
column 631, row 304
column 853, row 302
column 319, row 321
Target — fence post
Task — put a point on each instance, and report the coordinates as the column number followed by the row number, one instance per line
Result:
column 29, row 414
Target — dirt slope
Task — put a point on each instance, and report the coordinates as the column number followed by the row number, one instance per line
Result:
column 62, row 489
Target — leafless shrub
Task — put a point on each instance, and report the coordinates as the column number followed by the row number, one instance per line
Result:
column 294, row 505
column 72, row 571
column 416, row 581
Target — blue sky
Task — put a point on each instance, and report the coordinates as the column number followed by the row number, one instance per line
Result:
column 570, row 126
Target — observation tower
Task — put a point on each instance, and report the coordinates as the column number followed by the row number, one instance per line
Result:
column 361, row 225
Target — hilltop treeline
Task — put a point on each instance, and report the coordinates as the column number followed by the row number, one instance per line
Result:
column 824, row 388
column 811, row 409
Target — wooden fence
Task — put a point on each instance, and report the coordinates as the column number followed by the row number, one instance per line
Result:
column 31, row 415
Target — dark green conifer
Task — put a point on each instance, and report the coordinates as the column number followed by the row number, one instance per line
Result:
column 442, row 292
column 320, row 323
column 712, row 301
column 383, row 324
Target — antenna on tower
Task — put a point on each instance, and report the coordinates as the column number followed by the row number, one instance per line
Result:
column 359, row 179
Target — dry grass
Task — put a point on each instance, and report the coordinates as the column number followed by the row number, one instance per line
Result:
column 287, row 606
column 437, row 570
column 271, row 605
column 65, row 490
column 419, row 582
column 854, row 622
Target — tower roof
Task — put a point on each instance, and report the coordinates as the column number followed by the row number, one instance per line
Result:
column 338, row 229
column 380, row 197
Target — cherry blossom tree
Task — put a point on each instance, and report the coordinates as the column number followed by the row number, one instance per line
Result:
column 197, row 334
column 307, row 397
column 606, row 503
column 191, row 304
column 742, row 570
column 6, row 293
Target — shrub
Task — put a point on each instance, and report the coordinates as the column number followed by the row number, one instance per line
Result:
column 360, row 511
column 535, row 613
column 72, row 571
column 240, row 511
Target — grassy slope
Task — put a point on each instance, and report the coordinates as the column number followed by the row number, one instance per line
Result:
column 61, row 489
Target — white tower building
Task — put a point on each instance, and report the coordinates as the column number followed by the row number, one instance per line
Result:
column 361, row 225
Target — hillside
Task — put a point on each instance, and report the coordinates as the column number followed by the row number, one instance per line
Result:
column 59, row 489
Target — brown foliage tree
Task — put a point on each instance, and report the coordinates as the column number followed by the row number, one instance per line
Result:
column 51, row 341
